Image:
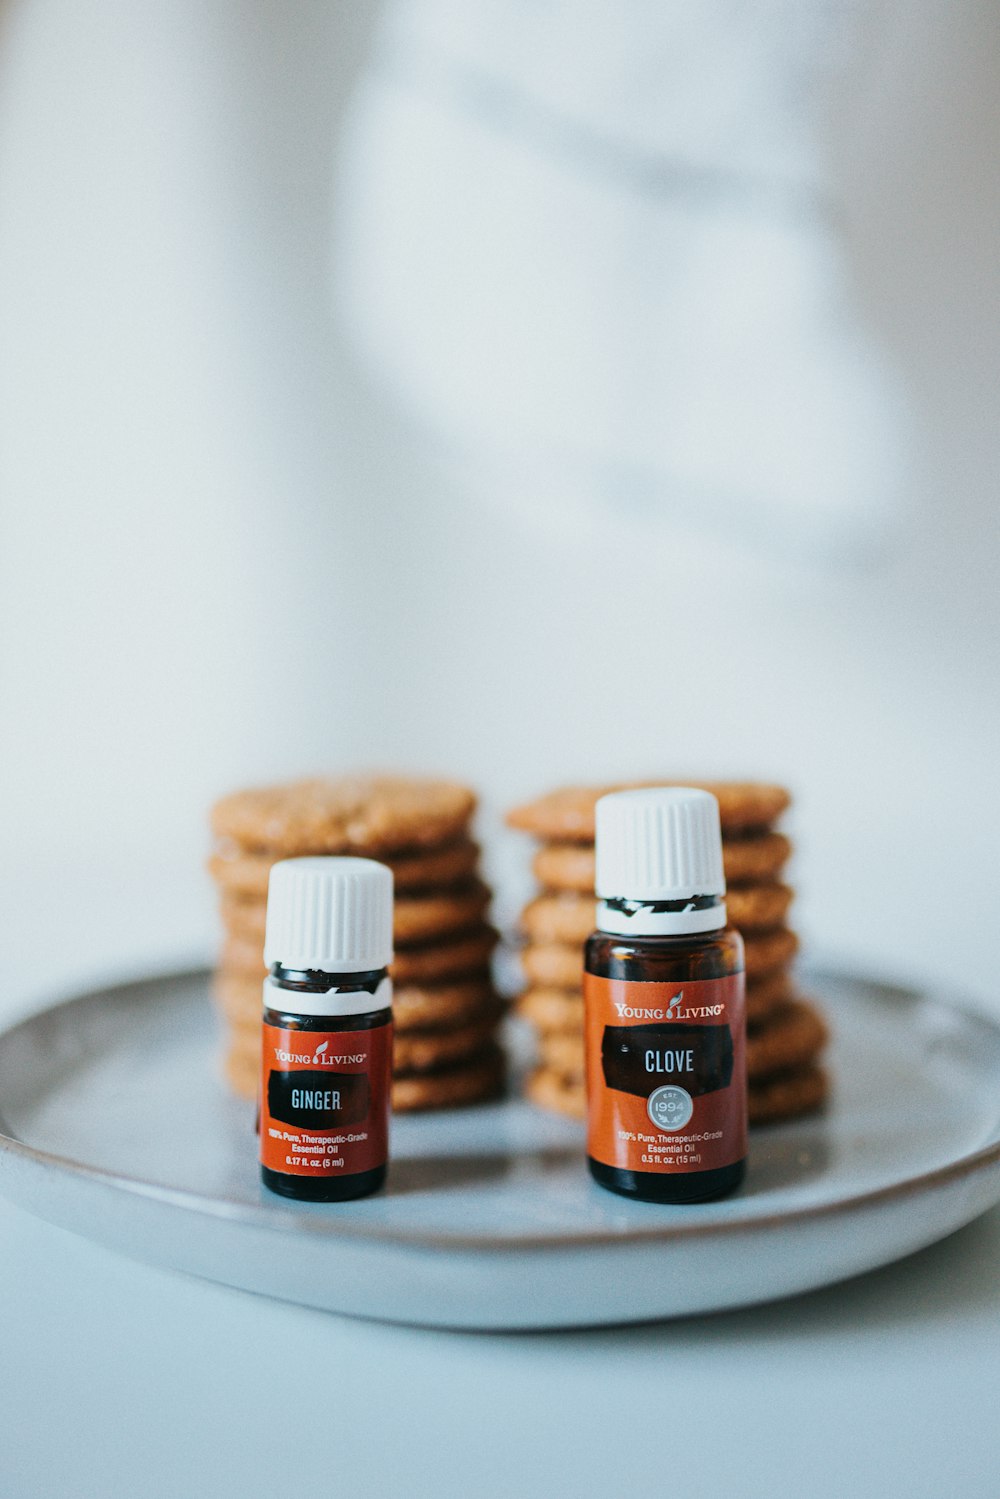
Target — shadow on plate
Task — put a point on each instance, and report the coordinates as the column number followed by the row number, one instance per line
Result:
column 442, row 1173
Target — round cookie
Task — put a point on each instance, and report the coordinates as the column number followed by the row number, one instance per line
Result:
column 359, row 814
column 566, row 866
column 562, row 1053
column 458, row 957
column 769, row 993
column 244, row 918
column 758, row 908
column 550, row 1091
column 793, row 1035
column 551, row 1010
column 238, row 996
column 567, row 815
column 431, row 1051
column 243, row 956
column 415, row 918
column 553, row 965
column 571, row 866
column 755, row 857
column 245, row 874
column 560, row 918
column 787, row 1096
column 245, row 1027
column 438, row 1007
column 476, row 1081
column 418, row 918
column 766, row 952
column 567, row 917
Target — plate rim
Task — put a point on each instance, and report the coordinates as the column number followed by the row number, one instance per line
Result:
column 335, row 1228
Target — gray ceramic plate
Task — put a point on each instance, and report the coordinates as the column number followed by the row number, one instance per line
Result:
column 116, row 1125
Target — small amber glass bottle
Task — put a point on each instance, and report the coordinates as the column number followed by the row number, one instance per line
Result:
column 327, row 1035
column 665, row 1032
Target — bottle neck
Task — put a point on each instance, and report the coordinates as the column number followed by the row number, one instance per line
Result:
column 311, row 991
column 661, row 918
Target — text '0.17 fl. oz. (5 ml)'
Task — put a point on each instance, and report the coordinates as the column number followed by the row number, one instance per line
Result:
column 326, row 1057
column 664, row 1003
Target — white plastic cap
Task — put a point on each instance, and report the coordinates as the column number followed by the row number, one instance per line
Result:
column 330, row 914
column 662, row 845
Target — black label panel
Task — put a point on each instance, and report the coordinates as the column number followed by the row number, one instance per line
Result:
column 638, row 1058
column 317, row 1100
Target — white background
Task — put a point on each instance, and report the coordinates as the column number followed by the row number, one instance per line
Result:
column 224, row 559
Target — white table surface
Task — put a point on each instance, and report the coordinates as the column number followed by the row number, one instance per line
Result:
column 120, row 1381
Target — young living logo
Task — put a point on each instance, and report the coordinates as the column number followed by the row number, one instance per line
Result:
column 672, row 1011
column 321, row 1057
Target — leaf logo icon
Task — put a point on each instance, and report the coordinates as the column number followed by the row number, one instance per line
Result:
column 322, row 1047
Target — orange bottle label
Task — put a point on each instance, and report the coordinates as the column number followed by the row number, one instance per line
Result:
column 324, row 1100
column 666, row 1073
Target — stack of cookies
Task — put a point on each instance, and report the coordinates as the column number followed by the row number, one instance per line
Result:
column 786, row 1033
column 446, row 1010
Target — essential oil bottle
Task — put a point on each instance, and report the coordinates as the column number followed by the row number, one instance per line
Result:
column 664, row 1003
column 326, row 1063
